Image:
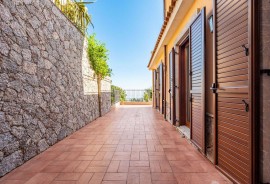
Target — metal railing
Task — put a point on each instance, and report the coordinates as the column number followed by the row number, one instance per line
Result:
column 76, row 12
column 138, row 95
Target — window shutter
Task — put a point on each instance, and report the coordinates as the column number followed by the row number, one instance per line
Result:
column 234, row 132
column 172, row 84
column 197, row 80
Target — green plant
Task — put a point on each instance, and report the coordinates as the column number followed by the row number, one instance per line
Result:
column 147, row 96
column 122, row 92
column 98, row 57
column 76, row 12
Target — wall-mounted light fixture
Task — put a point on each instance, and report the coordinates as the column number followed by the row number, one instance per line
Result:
column 211, row 23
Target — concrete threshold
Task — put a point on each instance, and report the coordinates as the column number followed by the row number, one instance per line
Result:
column 185, row 131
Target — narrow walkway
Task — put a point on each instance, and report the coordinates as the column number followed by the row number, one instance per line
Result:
column 131, row 144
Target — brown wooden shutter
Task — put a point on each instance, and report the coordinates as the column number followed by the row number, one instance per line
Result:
column 154, row 89
column 172, row 84
column 161, row 87
column 157, row 89
column 165, row 81
column 177, row 91
column 197, row 62
column 232, row 76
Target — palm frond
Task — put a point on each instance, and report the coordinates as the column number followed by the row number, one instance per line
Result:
column 77, row 12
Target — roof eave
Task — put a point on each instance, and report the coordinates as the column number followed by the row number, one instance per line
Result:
column 174, row 16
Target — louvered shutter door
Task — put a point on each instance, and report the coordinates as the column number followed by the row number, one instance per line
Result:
column 233, row 125
column 161, row 87
column 154, row 89
column 197, row 62
column 172, row 84
column 157, row 88
column 177, row 91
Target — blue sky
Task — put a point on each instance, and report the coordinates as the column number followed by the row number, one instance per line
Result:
column 129, row 28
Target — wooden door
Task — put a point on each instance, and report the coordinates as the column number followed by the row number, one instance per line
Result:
column 184, row 83
column 197, row 77
column 234, row 139
column 187, row 85
column 172, row 86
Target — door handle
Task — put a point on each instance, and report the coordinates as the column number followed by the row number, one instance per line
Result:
column 246, row 50
column 246, row 105
column 214, row 88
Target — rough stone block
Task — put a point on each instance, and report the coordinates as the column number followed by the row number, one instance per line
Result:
column 43, row 68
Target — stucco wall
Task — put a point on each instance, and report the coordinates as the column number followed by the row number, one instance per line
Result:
column 265, row 86
column 47, row 89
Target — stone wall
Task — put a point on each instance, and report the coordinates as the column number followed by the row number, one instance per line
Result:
column 46, row 89
column 265, row 86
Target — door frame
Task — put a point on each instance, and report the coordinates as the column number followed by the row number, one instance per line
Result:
column 254, row 86
column 181, row 42
column 184, row 73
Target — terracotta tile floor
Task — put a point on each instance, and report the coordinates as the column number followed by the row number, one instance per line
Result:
column 131, row 144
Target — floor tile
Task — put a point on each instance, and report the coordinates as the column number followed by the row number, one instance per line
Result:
column 133, row 178
column 42, row 178
column 139, row 163
column 85, row 178
column 130, row 144
column 115, row 177
column 113, row 167
column 68, row 176
column 145, row 178
column 163, row 176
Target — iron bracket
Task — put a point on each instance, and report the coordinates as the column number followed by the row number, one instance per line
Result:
column 267, row 71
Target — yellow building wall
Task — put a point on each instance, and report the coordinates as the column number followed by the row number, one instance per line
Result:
column 198, row 4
